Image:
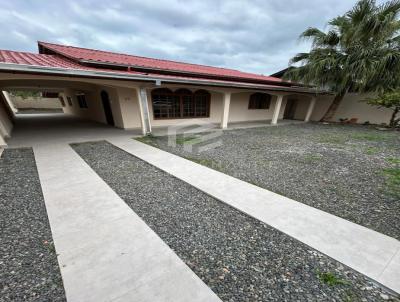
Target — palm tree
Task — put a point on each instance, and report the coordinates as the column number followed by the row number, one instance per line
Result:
column 360, row 52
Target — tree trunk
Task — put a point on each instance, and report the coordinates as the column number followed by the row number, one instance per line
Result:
column 333, row 107
column 393, row 120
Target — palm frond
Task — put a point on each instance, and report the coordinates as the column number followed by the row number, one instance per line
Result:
column 361, row 50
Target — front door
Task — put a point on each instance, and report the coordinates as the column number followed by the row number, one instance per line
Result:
column 107, row 108
column 290, row 109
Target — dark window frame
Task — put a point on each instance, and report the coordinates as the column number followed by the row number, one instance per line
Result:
column 259, row 101
column 184, row 104
column 50, row 94
column 81, row 98
column 69, row 100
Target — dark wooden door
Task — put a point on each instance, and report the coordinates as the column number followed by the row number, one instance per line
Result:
column 107, row 108
column 290, row 109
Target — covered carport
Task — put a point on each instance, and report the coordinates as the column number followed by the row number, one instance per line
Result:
column 92, row 108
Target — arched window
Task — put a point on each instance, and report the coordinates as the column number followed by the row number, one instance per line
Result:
column 183, row 91
column 202, row 103
column 186, row 97
column 180, row 104
column 259, row 100
column 165, row 104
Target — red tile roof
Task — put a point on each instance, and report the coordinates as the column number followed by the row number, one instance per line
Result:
column 105, row 57
column 62, row 65
column 8, row 57
column 27, row 58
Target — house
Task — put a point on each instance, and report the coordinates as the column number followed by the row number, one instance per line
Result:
column 133, row 92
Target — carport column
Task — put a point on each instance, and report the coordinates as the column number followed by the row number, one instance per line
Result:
column 9, row 103
column 225, row 110
column 277, row 109
column 310, row 109
column 144, row 111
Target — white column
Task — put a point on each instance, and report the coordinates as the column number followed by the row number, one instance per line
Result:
column 144, row 111
column 9, row 102
column 277, row 109
column 310, row 109
column 225, row 110
column 6, row 117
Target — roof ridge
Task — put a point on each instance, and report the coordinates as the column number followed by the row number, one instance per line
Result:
column 157, row 59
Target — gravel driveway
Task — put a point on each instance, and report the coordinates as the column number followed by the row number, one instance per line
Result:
column 348, row 170
column 238, row 257
column 28, row 263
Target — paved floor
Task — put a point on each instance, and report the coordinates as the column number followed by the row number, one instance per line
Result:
column 47, row 128
column 161, row 131
column 106, row 252
column 369, row 252
column 51, row 128
column 80, row 204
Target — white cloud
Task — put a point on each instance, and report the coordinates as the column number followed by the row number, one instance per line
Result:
column 257, row 36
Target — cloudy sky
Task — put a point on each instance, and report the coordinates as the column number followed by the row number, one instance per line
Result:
column 257, row 36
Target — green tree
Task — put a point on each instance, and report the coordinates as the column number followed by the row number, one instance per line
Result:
column 360, row 52
column 390, row 100
column 24, row 94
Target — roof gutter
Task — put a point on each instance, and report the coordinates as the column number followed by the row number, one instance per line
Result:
column 23, row 68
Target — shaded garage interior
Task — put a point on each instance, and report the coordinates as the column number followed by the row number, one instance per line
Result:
column 85, row 108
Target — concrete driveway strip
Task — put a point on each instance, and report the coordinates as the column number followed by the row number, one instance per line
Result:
column 106, row 252
column 369, row 252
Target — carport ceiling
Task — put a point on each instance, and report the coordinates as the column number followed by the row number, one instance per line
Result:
column 44, row 85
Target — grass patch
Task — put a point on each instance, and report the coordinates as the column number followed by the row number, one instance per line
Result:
column 350, row 296
column 205, row 162
column 393, row 160
column 332, row 139
column 148, row 139
column 371, row 151
column 311, row 158
column 182, row 140
column 331, row 279
column 50, row 246
column 393, row 181
column 371, row 137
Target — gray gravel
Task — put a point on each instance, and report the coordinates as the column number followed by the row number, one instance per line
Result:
column 336, row 168
column 238, row 257
column 28, row 264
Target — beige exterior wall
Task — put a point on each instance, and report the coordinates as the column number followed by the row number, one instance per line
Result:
column 129, row 104
column 35, row 103
column 115, row 105
column 302, row 106
column 239, row 109
column 124, row 105
column 94, row 111
column 352, row 107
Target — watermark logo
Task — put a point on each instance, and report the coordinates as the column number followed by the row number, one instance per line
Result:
column 198, row 136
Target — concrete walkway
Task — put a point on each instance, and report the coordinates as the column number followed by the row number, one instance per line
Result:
column 106, row 252
column 369, row 252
